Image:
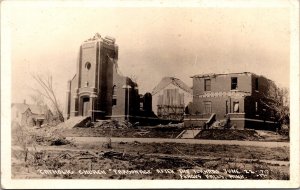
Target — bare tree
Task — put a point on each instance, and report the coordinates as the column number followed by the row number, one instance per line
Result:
column 38, row 99
column 278, row 102
column 47, row 91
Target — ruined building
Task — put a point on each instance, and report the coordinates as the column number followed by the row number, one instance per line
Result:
column 98, row 89
column 240, row 96
column 170, row 97
column 30, row 115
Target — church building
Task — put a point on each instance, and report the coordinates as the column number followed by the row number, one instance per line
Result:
column 98, row 89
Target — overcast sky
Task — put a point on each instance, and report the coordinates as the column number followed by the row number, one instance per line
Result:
column 153, row 42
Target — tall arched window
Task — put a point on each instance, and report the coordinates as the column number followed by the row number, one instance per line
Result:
column 236, row 108
column 114, row 95
column 87, row 67
column 114, row 92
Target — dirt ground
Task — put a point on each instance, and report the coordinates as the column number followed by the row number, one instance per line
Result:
column 128, row 132
column 172, row 132
column 163, row 161
column 242, row 135
column 45, row 153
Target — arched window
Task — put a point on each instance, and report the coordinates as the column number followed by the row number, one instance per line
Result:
column 114, row 95
column 114, row 92
column 236, row 107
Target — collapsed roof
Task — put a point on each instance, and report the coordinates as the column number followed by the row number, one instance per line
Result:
column 171, row 80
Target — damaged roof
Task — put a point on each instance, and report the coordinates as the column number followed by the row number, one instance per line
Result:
column 210, row 75
column 218, row 74
column 35, row 109
column 171, row 80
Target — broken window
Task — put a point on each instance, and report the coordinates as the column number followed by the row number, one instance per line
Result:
column 236, row 107
column 114, row 95
column 207, row 86
column 207, row 107
column 114, row 92
column 256, row 84
column 234, row 83
column 114, row 101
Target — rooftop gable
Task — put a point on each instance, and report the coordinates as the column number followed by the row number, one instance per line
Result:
column 35, row 109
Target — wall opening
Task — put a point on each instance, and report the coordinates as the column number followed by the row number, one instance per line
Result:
column 207, row 85
column 88, row 65
column 114, row 95
column 256, row 83
column 114, row 101
column 85, row 106
column 207, row 107
column 236, row 107
column 234, row 83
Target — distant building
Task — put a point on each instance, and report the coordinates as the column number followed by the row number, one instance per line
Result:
column 98, row 89
column 170, row 97
column 30, row 115
column 239, row 96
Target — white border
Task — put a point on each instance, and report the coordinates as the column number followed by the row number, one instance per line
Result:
column 6, row 180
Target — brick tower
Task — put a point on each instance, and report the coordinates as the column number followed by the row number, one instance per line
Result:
column 90, row 90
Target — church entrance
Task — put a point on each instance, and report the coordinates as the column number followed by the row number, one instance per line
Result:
column 86, row 106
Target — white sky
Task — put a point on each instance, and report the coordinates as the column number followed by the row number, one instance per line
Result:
column 153, row 42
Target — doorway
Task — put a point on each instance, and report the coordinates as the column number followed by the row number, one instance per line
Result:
column 85, row 106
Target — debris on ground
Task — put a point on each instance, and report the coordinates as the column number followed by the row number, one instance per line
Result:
column 107, row 144
column 217, row 125
column 84, row 123
column 112, row 154
column 228, row 134
column 171, row 125
column 112, row 124
column 272, row 135
column 136, row 142
column 153, row 157
column 59, row 141
column 75, row 122
column 142, row 132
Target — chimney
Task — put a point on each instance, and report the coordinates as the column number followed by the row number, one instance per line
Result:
column 24, row 101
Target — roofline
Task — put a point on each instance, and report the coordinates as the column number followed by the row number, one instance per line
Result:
column 26, row 110
column 218, row 74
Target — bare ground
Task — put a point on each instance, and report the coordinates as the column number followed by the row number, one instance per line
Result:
column 152, row 157
column 36, row 152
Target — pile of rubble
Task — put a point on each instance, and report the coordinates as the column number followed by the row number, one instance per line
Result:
column 79, row 121
column 54, row 140
column 85, row 122
column 171, row 125
column 112, row 124
column 225, row 134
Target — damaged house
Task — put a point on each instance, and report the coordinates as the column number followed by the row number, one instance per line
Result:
column 238, row 96
column 170, row 97
column 30, row 115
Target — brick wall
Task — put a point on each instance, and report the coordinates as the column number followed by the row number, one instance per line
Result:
column 222, row 83
column 118, row 82
column 251, row 89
